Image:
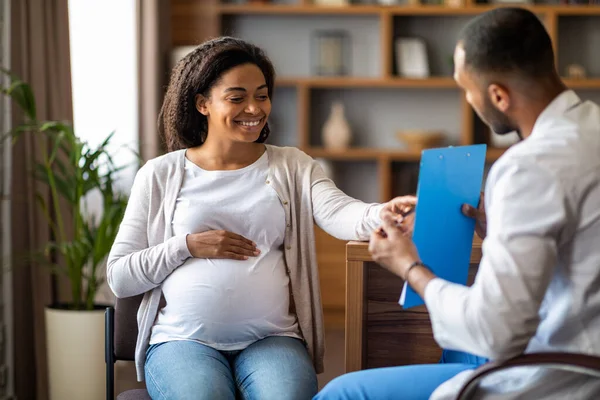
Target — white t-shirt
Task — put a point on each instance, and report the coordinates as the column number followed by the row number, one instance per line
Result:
column 228, row 304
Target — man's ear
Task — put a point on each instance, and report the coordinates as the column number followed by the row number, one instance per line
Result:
column 499, row 96
column 201, row 104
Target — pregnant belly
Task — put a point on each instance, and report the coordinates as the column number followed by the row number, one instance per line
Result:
column 227, row 301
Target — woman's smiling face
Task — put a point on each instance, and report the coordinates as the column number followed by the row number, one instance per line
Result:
column 238, row 105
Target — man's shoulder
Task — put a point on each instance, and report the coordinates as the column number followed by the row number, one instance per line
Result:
column 561, row 153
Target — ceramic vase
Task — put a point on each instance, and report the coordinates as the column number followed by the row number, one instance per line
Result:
column 336, row 131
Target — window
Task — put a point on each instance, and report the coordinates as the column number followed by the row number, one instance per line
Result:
column 104, row 76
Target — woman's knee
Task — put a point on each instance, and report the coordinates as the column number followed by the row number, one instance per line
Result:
column 189, row 384
column 277, row 368
column 185, row 370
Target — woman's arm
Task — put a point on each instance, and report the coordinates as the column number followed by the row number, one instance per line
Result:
column 337, row 213
column 133, row 267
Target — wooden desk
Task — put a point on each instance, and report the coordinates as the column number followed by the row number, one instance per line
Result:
column 379, row 333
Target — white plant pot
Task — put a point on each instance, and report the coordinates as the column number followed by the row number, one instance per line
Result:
column 75, row 346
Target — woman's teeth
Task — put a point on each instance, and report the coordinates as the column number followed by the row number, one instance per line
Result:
column 253, row 123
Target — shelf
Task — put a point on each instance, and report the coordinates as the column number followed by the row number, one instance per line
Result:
column 574, row 10
column 586, row 83
column 279, row 9
column 353, row 154
column 351, row 82
column 481, row 8
column 431, row 83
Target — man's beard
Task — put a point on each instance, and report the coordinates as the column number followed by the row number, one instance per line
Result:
column 498, row 121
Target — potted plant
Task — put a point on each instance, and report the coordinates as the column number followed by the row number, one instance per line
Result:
column 71, row 170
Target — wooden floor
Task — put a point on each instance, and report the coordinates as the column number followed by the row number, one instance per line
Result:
column 334, row 363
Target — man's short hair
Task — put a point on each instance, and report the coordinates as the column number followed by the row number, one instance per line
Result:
column 508, row 41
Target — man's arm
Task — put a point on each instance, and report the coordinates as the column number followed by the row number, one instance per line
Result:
column 418, row 278
column 497, row 316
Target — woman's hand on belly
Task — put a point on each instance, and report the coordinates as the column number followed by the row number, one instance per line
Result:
column 221, row 244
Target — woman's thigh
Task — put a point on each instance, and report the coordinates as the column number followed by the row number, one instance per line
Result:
column 187, row 370
column 411, row 382
column 275, row 368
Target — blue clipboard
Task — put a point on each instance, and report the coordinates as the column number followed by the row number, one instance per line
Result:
column 448, row 178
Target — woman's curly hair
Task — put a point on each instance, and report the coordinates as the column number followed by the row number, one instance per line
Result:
column 180, row 124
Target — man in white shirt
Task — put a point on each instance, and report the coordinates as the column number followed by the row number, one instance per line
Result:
column 538, row 284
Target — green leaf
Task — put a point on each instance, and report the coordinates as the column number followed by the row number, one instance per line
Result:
column 45, row 210
column 16, row 132
column 57, row 144
column 22, row 94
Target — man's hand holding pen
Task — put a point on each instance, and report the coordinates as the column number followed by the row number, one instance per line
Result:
column 400, row 212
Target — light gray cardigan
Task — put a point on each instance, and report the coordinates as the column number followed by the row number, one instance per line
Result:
column 145, row 251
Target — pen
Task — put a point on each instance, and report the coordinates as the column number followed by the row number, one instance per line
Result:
column 406, row 214
column 403, row 215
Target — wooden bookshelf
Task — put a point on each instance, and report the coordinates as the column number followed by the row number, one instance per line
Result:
column 358, row 9
column 193, row 21
column 351, row 82
column 585, row 83
column 378, row 154
column 399, row 83
column 381, row 154
column 364, row 154
column 233, row 9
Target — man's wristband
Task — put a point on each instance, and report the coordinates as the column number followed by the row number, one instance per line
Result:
column 415, row 264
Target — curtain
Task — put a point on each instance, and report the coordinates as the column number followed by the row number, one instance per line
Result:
column 39, row 55
column 153, row 29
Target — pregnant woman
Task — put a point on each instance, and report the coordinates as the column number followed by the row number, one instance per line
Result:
column 222, row 227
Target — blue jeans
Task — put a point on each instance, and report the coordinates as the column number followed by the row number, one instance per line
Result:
column 273, row 368
column 410, row 382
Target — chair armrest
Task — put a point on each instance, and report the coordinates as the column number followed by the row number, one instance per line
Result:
column 109, row 351
column 580, row 363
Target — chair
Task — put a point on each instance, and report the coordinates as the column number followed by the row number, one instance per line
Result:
column 581, row 363
column 120, row 338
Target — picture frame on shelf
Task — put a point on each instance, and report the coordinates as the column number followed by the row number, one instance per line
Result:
column 411, row 57
column 331, row 53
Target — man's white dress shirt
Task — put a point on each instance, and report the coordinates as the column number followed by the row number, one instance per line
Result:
column 538, row 285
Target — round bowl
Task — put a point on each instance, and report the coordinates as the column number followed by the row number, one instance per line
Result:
column 421, row 139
